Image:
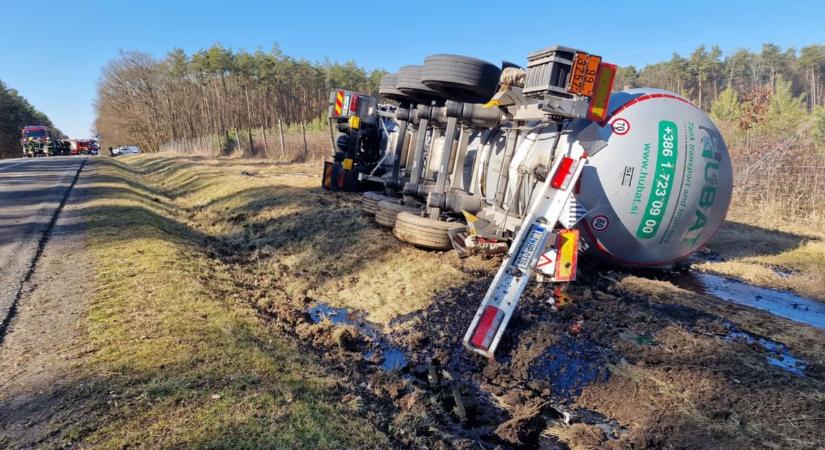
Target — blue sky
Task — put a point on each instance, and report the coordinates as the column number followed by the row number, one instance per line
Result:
column 52, row 51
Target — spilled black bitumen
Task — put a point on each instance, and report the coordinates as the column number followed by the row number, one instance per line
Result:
column 570, row 365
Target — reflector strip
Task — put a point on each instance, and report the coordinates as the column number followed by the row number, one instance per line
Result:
column 601, row 98
column 339, row 102
column 563, row 173
column 487, row 326
column 567, row 244
column 328, row 167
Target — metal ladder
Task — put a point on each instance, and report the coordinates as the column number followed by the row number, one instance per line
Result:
column 512, row 277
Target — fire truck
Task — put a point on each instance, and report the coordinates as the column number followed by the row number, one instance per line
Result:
column 38, row 140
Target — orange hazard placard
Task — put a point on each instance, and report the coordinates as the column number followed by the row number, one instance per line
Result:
column 590, row 75
column 583, row 75
column 579, row 68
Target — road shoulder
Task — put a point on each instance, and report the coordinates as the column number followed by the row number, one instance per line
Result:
column 41, row 359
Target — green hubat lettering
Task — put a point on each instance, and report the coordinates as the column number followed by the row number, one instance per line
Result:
column 707, row 196
column 700, row 220
column 711, row 178
column 707, row 149
column 693, row 240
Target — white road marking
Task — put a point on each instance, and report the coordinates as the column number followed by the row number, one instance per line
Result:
column 12, row 165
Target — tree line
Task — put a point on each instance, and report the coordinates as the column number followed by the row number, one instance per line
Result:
column 770, row 108
column 219, row 92
column 15, row 113
column 216, row 92
column 705, row 73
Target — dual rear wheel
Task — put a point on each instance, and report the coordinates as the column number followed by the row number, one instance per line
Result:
column 407, row 224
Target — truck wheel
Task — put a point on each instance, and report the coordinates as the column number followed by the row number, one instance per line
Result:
column 461, row 78
column 370, row 201
column 388, row 211
column 424, row 232
column 387, row 88
column 409, row 82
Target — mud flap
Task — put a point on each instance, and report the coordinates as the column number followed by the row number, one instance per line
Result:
column 329, row 174
column 340, row 176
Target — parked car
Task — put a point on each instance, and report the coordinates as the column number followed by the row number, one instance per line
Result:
column 126, row 150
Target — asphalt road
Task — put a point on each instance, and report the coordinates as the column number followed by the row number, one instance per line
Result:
column 31, row 192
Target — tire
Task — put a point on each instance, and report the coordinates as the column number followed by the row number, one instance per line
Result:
column 409, row 82
column 388, row 211
column 371, row 199
column 424, row 232
column 387, row 88
column 461, row 78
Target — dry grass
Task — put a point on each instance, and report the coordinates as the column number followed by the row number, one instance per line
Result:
column 707, row 391
column 578, row 436
column 187, row 368
column 278, row 239
column 292, row 235
column 803, row 340
column 771, row 250
column 314, row 145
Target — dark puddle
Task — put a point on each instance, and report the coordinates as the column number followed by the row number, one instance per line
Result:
column 382, row 353
column 780, row 303
column 778, row 354
column 569, row 365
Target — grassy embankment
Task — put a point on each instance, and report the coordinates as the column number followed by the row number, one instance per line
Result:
column 771, row 250
column 182, row 365
column 185, row 244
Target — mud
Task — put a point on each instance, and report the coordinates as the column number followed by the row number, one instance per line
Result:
column 602, row 367
column 777, row 354
column 380, row 352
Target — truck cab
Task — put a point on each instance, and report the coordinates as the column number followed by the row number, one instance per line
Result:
column 36, row 140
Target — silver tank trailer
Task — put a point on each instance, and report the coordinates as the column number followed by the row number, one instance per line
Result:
column 655, row 192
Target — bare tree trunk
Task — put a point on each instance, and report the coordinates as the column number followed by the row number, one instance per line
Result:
column 813, row 88
column 304, row 134
column 331, row 136
column 281, row 133
column 266, row 148
column 251, row 144
column 249, row 121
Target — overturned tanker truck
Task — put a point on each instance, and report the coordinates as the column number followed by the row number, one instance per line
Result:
column 543, row 163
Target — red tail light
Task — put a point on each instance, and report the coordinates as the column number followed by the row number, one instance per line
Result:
column 487, row 327
column 563, row 173
column 353, row 103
